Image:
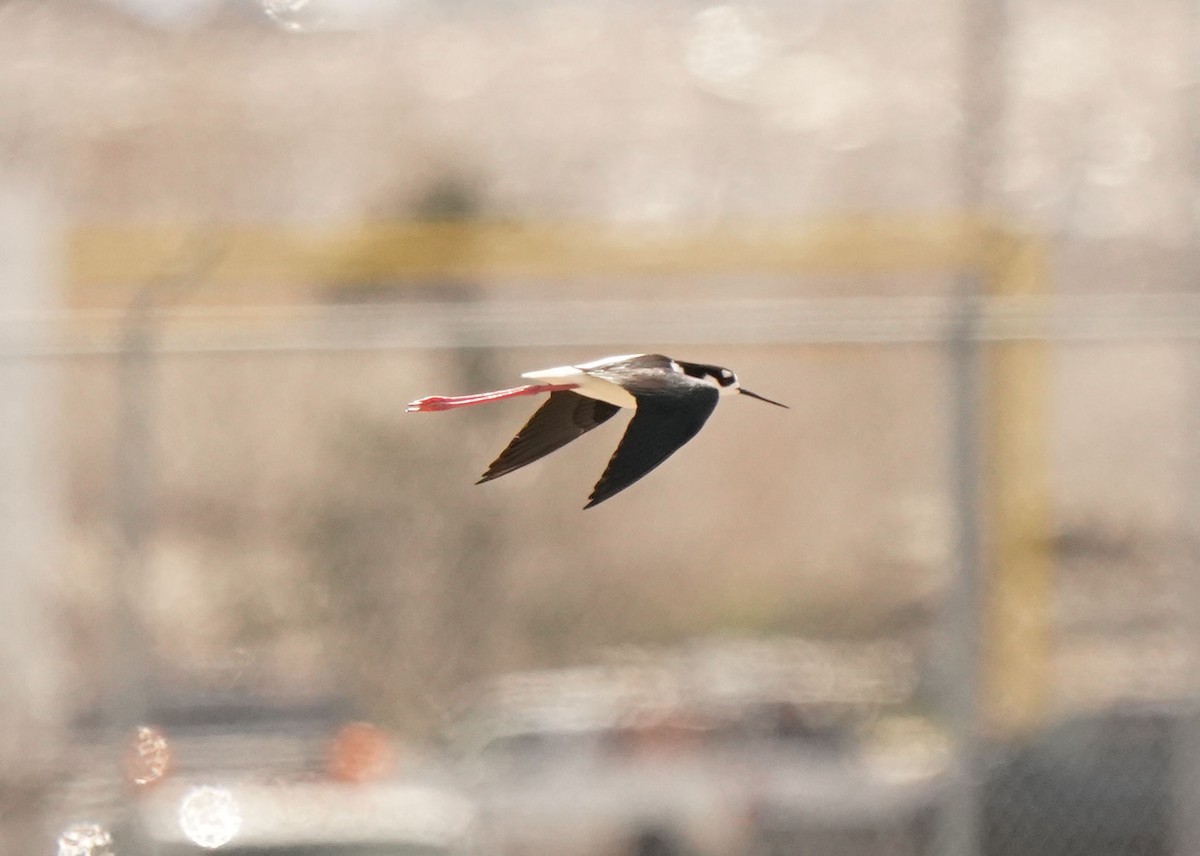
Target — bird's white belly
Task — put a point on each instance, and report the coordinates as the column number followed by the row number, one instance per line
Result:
column 589, row 385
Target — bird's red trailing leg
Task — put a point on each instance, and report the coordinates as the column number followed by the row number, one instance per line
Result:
column 432, row 403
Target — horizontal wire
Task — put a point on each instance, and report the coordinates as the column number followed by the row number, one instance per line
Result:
column 543, row 323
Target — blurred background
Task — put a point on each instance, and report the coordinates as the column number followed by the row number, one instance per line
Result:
column 944, row 605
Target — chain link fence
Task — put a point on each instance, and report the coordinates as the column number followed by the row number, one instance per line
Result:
column 294, row 532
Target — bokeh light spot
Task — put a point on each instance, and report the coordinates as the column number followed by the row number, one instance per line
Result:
column 726, row 45
column 283, row 12
column 148, row 756
column 85, row 839
column 1120, row 150
column 818, row 93
column 209, row 816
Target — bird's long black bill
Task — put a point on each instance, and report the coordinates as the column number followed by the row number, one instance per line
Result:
column 745, row 391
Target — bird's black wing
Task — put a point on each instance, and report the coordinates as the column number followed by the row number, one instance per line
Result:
column 564, row 417
column 671, row 409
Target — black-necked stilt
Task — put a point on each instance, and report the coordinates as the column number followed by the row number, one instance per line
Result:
column 672, row 400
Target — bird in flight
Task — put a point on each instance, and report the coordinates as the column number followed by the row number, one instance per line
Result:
column 671, row 400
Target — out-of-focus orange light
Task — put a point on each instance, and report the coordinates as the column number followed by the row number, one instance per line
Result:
column 147, row 757
column 361, row 752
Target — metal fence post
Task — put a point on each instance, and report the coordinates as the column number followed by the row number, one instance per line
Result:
column 983, row 87
column 133, row 476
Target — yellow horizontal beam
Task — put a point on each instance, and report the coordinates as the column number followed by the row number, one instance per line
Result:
column 106, row 263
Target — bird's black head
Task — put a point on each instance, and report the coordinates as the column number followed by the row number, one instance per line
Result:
column 722, row 378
